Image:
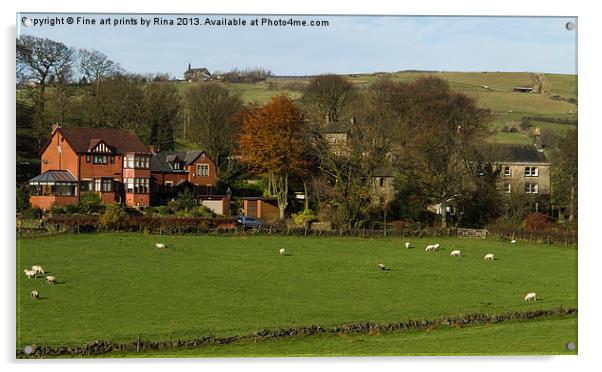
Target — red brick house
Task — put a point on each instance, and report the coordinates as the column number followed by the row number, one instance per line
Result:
column 110, row 162
column 172, row 169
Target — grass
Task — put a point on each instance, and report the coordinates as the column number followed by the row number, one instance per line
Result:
column 117, row 286
column 548, row 336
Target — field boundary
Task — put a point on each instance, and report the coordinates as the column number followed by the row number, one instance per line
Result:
column 100, row 347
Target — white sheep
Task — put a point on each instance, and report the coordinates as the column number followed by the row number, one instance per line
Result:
column 50, row 279
column 30, row 273
column 35, row 295
column 381, row 266
column 407, row 244
column 436, row 246
column 160, row 245
column 38, row 269
column 282, row 251
column 456, row 253
column 513, row 241
column 430, row 248
column 532, row 296
column 489, row 257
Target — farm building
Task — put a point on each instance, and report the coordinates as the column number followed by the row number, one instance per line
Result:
column 197, row 74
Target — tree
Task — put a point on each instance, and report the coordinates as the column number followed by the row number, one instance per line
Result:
column 564, row 173
column 95, row 66
column 213, row 119
column 161, row 105
column 271, row 144
column 540, row 83
column 439, row 134
column 38, row 59
column 328, row 96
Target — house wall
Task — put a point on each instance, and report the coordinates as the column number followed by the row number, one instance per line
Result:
column 45, row 202
column 65, row 159
column 134, row 200
column 91, row 170
column 220, row 206
column 210, row 180
column 517, row 179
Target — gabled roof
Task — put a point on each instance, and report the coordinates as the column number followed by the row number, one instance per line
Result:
column 120, row 140
column 516, row 153
column 162, row 161
column 53, row 176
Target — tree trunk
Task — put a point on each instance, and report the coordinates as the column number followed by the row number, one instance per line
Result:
column 443, row 215
column 281, row 189
column 305, row 196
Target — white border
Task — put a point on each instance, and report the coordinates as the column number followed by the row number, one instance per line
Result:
column 589, row 254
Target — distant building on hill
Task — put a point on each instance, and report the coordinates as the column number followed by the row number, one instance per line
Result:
column 197, row 74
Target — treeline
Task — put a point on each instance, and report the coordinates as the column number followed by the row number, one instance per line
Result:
column 248, row 75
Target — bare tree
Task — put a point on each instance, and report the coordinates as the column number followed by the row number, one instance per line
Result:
column 540, row 83
column 95, row 66
column 328, row 96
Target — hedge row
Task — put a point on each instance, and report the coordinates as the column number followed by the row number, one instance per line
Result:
column 100, row 347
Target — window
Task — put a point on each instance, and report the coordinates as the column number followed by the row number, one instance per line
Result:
column 507, row 188
column 531, row 188
column 202, row 170
column 138, row 185
column 168, row 185
column 106, row 184
column 85, row 185
column 531, row 172
column 100, row 159
column 130, row 161
column 112, row 159
column 88, row 156
column 97, row 184
column 146, row 162
column 130, row 185
column 381, row 181
column 507, row 170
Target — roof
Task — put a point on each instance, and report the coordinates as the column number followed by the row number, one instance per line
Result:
column 202, row 70
column 53, row 176
column 161, row 161
column 81, row 139
column 516, row 153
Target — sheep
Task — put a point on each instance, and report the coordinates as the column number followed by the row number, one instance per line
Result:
column 50, row 279
column 437, row 246
column 38, row 269
column 489, row 257
column 35, row 295
column 532, row 296
column 407, row 244
column 456, row 253
column 513, row 241
column 160, row 245
column 381, row 267
column 430, row 248
column 30, row 273
column 282, row 251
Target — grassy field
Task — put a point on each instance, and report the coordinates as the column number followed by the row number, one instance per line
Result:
column 118, row 286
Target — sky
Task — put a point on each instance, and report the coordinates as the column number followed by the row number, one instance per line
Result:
column 349, row 44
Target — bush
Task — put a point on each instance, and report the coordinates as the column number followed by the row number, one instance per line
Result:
column 305, row 217
column 23, row 199
column 114, row 217
column 164, row 209
column 536, row 222
column 32, row 214
column 186, row 200
column 202, row 211
column 89, row 203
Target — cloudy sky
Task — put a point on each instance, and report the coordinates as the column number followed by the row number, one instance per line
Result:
column 349, row 44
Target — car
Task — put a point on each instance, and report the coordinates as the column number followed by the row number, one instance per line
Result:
column 249, row 222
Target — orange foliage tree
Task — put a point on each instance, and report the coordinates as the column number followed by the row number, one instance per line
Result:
column 272, row 144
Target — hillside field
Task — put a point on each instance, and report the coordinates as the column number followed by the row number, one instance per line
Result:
column 117, row 286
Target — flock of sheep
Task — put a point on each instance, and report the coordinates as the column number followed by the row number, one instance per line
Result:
column 531, row 296
column 33, row 273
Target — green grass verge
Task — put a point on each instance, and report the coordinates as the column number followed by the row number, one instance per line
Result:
column 117, row 286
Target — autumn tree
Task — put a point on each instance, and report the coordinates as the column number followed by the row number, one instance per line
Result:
column 271, row 144
column 212, row 119
column 161, row 105
column 438, row 138
column 328, row 96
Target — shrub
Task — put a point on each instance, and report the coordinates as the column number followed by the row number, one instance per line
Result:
column 32, row 213
column 114, row 217
column 164, row 209
column 89, row 203
column 536, row 222
column 305, row 217
column 186, row 200
column 203, row 211
column 23, row 199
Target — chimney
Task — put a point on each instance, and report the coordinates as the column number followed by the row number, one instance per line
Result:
column 55, row 126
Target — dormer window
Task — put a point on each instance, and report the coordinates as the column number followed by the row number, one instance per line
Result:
column 176, row 165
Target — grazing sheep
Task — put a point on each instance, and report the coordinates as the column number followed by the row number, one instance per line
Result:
column 35, row 295
column 456, row 253
column 50, row 279
column 38, row 269
column 532, row 296
column 382, row 267
column 160, row 245
column 513, row 241
column 407, row 244
column 436, row 246
column 430, row 248
column 30, row 273
column 282, row 252
column 489, row 257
